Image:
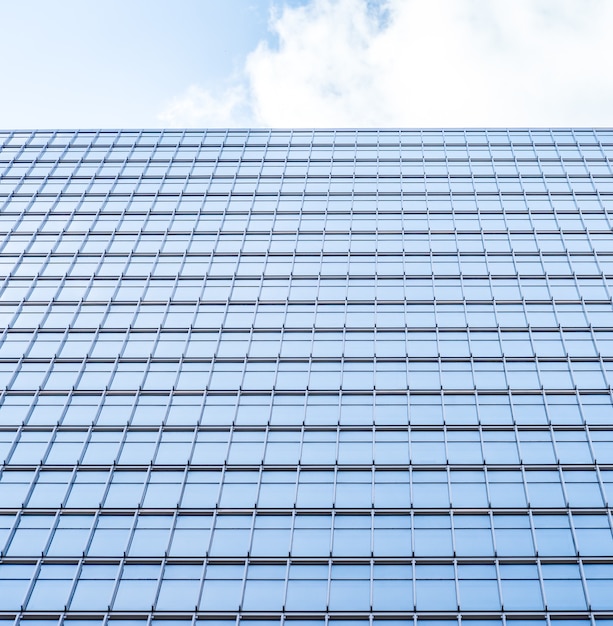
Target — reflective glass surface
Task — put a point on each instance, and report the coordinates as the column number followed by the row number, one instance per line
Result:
column 306, row 376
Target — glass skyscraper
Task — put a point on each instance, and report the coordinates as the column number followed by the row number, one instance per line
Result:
column 308, row 377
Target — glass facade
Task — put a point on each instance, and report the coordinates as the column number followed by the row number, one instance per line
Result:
column 306, row 377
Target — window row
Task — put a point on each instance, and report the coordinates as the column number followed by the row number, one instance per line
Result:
column 537, row 294
column 299, row 145
column 307, row 447
column 313, row 206
column 314, row 409
column 294, row 344
column 102, row 215
column 75, row 176
column 585, row 137
column 276, row 243
column 278, row 159
column 549, row 244
column 306, row 536
column 187, row 219
column 186, row 162
column 186, row 265
column 305, row 587
column 321, row 375
column 305, row 488
column 99, row 618
column 277, row 235
column 412, row 181
column 299, row 315
column 416, row 211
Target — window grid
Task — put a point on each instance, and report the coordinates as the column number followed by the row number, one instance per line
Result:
column 316, row 375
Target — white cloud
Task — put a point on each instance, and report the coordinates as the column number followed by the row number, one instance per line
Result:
column 198, row 107
column 422, row 63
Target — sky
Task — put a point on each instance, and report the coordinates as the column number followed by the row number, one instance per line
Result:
column 305, row 63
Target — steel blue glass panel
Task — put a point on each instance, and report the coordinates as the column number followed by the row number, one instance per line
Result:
column 305, row 376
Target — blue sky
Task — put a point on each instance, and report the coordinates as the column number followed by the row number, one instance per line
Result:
column 117, row 62
column 203, row 63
